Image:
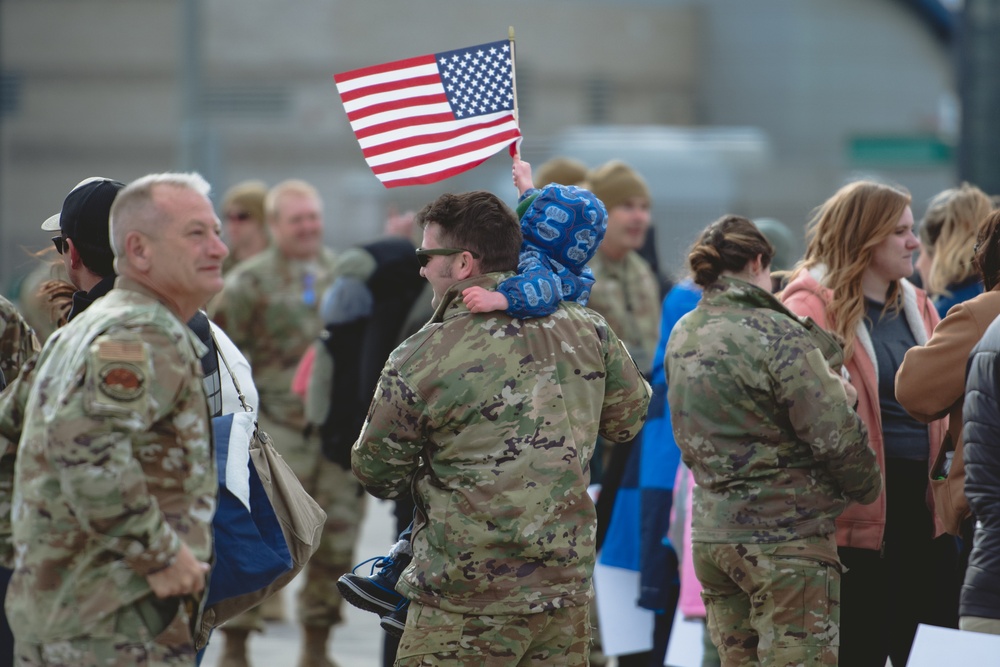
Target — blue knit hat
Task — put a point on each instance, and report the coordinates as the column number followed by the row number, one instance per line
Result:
column 567, row 222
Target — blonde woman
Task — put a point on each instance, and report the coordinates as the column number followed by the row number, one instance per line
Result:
column 852, row 282
column 953, row 218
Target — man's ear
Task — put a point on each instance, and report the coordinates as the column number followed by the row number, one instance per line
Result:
column 75, row 261
column 138, row 251
column 466, row 266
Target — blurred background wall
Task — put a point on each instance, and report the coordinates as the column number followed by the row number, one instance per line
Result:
column 759, row 108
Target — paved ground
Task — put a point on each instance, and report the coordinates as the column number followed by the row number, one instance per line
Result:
column 356, row 643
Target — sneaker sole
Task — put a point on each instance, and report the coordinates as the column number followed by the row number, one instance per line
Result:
column 392, row 626
column 362, row 600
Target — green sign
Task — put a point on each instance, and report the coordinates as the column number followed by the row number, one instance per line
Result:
column 899, row 151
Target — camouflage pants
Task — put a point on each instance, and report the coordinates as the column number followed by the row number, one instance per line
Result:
column 339, row 494
column 150, row 633
column 437, row 637
column 772, row 604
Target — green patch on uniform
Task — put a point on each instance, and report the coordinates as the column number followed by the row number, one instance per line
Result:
column 122, row 381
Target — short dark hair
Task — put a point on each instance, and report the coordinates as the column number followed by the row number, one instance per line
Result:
column 478, row 221
column 99, row 261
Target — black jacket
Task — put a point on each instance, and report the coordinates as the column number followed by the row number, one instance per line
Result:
column 360, row 346
column 82, row 300
column 981, row 435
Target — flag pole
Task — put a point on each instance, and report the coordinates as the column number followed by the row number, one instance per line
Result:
column 513, row 85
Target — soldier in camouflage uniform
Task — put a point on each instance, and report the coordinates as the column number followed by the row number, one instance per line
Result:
column 18, row 343
column 767, row 427
column 244, row 221
column 626, row 291
column 115, row 483
column 492, row 422
column 269, row 307
column 627, row 294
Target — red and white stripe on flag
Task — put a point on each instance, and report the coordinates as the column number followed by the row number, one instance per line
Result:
column 425, row 119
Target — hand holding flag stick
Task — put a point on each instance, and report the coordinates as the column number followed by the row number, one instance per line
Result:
column 515, row 148
column 425, row 119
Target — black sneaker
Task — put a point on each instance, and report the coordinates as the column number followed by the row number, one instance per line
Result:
column 377, row 592
column 395, row 621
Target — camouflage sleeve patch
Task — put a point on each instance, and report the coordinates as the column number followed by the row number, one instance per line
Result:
column 121, row 376
column 121, row 350
column 116, row 379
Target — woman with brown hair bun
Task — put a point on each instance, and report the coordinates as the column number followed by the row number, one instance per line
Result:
column 767, row 427
column 852, row 282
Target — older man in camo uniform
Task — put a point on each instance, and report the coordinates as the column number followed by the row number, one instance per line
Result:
column 269, row 307
column 115, row 480
column 493, row 421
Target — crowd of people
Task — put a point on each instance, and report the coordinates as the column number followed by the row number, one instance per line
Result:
column 788, row 448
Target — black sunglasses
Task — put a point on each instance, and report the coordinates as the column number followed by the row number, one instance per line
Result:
column 60, row 243
column 424, row 255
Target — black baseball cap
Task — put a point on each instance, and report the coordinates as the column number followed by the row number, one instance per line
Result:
column 85, row 213
column 85, row 218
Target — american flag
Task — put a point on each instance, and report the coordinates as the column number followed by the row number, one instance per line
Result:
column 425, row 119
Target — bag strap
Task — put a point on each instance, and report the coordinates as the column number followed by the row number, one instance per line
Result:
column 232, row 375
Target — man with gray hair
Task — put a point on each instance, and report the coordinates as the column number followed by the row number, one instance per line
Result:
column 269, row 306
column 115, row 481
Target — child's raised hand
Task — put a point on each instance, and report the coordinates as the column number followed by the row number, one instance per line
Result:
column 480, row 300
column 522, row 176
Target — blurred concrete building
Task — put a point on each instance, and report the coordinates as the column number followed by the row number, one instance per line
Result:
column 759, row 108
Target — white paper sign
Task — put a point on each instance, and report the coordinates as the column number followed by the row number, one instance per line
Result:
column 685, row 648
column 625, row 627
column 936, row 646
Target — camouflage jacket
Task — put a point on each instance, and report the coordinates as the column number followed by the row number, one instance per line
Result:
column 627, row 294
column 493, row 421
column 114, row 469
column 269, row 307
column 763, row 421
column 18, row 343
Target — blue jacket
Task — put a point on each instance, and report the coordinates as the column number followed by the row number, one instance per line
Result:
column 958, row 293
column 636, row 537
column 562, row 227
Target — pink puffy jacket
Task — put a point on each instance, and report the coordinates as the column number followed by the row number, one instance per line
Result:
column 863, row 526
